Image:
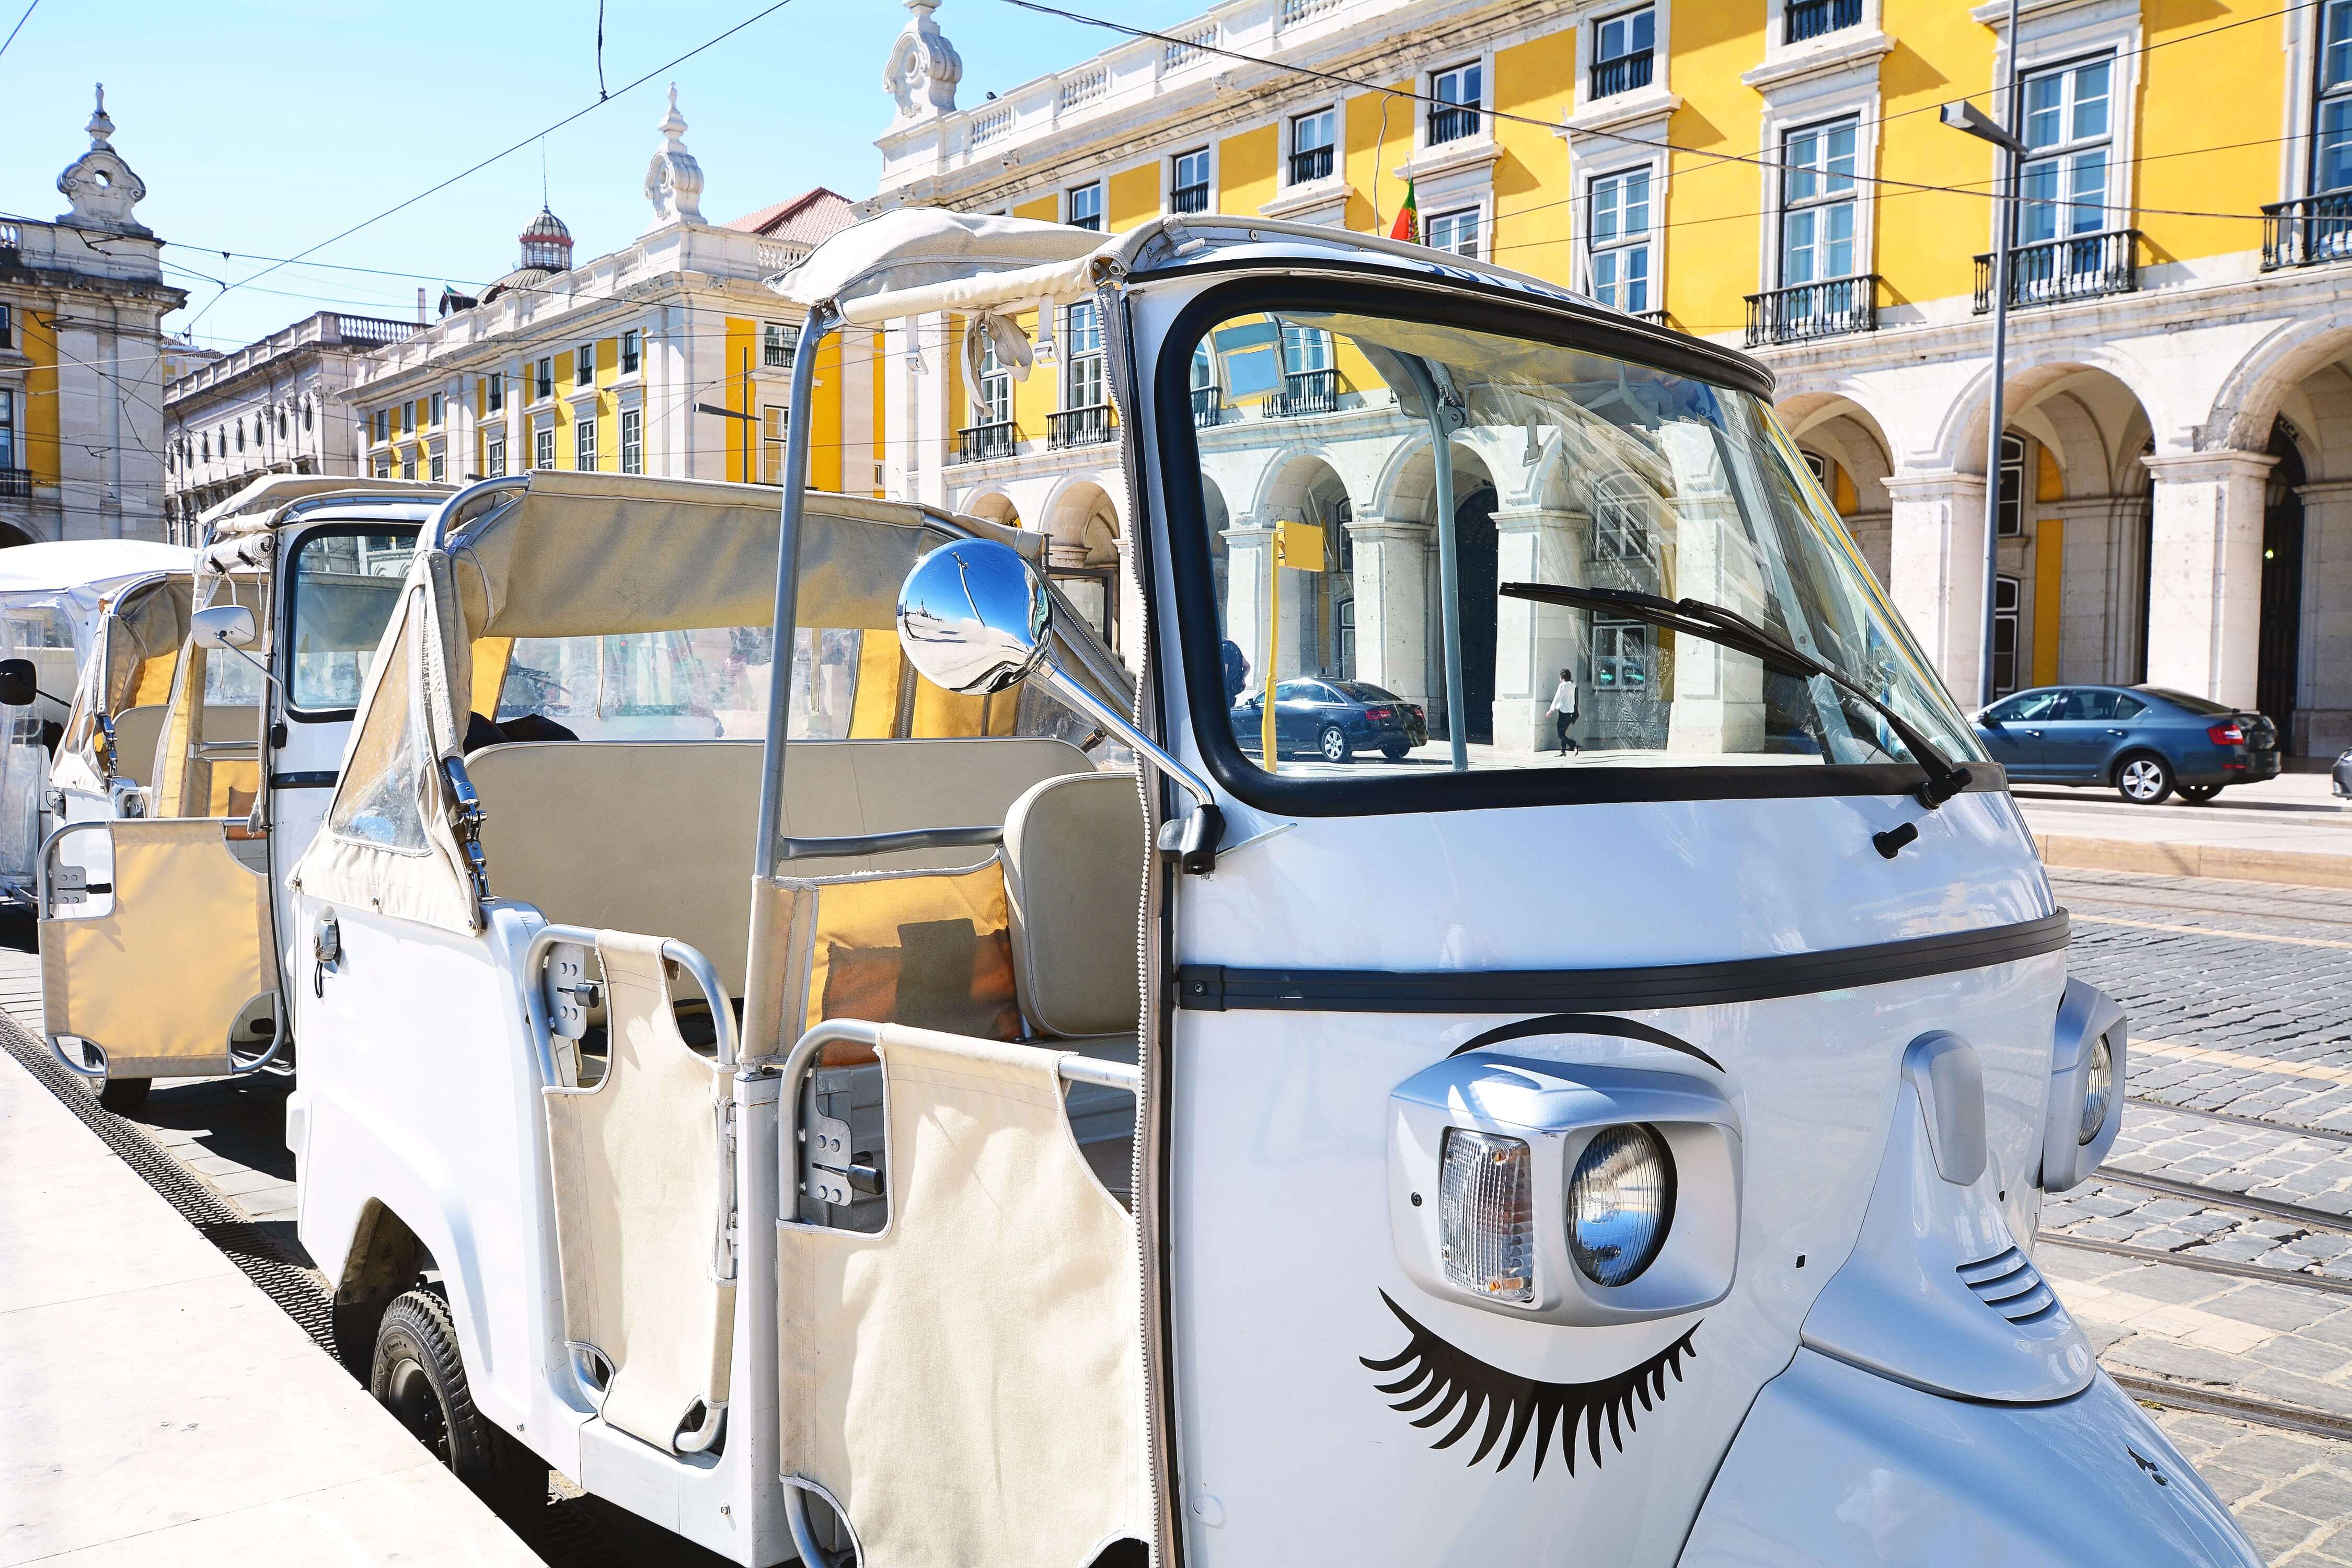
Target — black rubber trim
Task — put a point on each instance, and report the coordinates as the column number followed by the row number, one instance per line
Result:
column 1216, row 988
column 1496, row 310
column 322, row 779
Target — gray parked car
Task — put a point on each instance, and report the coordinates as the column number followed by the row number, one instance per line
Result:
column 2143, row 740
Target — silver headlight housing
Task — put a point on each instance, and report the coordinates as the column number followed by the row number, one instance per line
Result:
column 2085, row 1110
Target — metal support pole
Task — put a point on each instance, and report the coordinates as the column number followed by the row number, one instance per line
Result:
column 2004, row 231
column 788, row 591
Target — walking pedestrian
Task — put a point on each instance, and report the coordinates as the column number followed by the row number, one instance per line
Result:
column 1237, row 670
column 1563, row 712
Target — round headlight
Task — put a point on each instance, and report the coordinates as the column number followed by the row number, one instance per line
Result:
column 1620, row 1201
column 2098, row 1090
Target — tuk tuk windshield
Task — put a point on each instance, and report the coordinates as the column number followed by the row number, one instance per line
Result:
column 1329, row 522
column 345, row 586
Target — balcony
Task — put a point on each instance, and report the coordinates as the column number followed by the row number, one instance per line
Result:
column 1451, row 122
column 2309, row 231
column 1311, row 163
column 979, row 443
column 1656, row 318
column 1812, row 18
column 1809, row 310
column 16, row 484
column 1304, row 392
column 2081, row 268
column 1189, row 198
column 1208, row 408
column 1622, row 74
column 1078, row 428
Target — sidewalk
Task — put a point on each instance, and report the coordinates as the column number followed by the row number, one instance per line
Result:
column 161, row 1409
column 2288, row 829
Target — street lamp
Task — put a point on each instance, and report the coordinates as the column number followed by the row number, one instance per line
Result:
column 1966, row 117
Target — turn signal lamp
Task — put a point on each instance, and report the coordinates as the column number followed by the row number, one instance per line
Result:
column 1486, row 1215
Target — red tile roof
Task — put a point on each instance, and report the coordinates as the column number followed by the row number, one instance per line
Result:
column 808, row 218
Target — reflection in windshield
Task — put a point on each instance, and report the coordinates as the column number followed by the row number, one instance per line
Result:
column 1335, row 535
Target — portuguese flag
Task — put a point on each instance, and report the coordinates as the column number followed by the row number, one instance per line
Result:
column 1407, row 223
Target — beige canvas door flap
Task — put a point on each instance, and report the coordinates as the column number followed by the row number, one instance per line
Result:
column 967, row 1384
column 640, row 1185
column 158, row 983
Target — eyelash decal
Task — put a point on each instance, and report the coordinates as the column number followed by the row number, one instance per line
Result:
column 1439, row 1368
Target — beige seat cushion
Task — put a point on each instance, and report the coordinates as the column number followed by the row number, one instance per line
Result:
column 656, row 835
column 1074, row 876
column 136, row 731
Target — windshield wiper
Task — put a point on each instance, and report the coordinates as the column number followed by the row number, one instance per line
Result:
column 1728, row 628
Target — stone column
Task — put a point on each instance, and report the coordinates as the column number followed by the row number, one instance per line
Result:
column 1717, row 695
column 2098, row 594
column 1935, row 571
column 1533, row 643
column 1393, row 567
column 2323, row 718
column 1249, row 573
column 2205, row 573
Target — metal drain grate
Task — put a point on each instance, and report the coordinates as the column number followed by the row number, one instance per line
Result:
column 2008, row 1283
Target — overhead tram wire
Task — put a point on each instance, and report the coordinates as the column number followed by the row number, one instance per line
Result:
column 20, row 26
column 1752, row 159
column 626, row 88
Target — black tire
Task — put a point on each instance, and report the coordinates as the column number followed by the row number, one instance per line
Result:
column 124, row 1095
column 1395, row 753
column 2143, row 778
column 1333, row 745
column 418, row 1375
column 2198, row 795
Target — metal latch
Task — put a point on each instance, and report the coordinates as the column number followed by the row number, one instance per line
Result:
column 569, row 991
column 467, row 820
column 69, row 885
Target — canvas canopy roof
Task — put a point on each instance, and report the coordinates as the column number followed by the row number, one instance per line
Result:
column 100, row 565
column 255, row 507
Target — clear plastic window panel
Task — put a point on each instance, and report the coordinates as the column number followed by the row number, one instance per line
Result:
column 709, row 684
column 344, row 588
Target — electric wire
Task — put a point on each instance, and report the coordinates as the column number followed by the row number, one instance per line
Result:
column 20, row 26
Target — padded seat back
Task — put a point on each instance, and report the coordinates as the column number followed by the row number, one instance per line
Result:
column 656, row 835
column 1074, row 879
column 136, row 731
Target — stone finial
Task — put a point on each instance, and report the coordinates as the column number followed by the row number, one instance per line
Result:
column 674, row 180
column 924, row 66
column 100, row 186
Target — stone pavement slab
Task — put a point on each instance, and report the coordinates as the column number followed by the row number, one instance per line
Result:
column 2292, row 1494
column 161, row 1409
column 2288, row 830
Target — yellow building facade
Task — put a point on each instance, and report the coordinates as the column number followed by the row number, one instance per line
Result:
column 2175, row 473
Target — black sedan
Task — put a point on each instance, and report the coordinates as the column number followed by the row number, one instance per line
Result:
column 2144, row 742
column 1332, row 720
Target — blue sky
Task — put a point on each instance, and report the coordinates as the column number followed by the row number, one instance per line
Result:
column 262, row 127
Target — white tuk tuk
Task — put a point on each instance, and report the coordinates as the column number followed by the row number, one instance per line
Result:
column 192, row 768
column 1627, row 1154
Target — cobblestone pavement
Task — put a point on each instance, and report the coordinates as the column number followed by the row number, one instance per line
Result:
column 2290, row 1493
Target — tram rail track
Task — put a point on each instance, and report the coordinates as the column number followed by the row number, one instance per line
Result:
column 2174, row 1395
column 2220, row 1197
column 2289, row 1129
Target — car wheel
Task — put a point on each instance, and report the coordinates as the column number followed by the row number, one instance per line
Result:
column 1333, row 744
column 1395, row 753
column 420, row 1378
column 2198, row 795
column 2143, row 778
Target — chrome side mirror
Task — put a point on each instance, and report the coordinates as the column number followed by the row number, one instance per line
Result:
column 223, row 625
column 19, row 683
column 974, row 617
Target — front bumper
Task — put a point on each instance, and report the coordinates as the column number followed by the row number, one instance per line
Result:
column 1838, row 1467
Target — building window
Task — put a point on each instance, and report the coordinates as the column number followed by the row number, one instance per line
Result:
column 584, row 365
column 1810, row 18
column 494, row 456
column 1457, row 231
column 1189, row 192
column 307, row 408
column 1305, row 350
column 1084, row 203
column 383, row 467
column 2011, row 513
column 2331, row 143
column 584, row 445
column 240, row 435
column 1313, row 138
column 2004, row 636
column 1618, row 236
column 382, row 425
column 775, row 426
column 995, row 387
column 1082, row 347
column 498, row 394
column 433, row 418
column 8, row 430
column 439, row 468
column 1459, row 94
column 1817, row 204
column 777, row 342
column 408, row 464
column 546, row 379
column 1623, row 47
column 7, row 328
column 2069, row 128
column 633, row 440
column 631, row 341
column 543, row 448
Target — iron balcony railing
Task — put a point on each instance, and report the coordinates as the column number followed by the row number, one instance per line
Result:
column 2081, row 268
column 2308, row 231
column 16, row 484
column 1451, row 122
column 1622, row 74
column 1809, row 310
column 978, row 443
column 1078, row 428
column 1304, row 392
column 1812, row 18
column 1189, row 198
column 1311, row 163
column 1208, row 408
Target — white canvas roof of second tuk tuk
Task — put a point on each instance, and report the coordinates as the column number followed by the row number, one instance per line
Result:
column 59, row 565
column 258, row 505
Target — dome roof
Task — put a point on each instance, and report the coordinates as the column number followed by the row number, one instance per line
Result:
column 547, row 226
column 546, row 246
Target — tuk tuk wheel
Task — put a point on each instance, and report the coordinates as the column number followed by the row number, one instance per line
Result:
column 418, row 1377
column 122, row 1095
